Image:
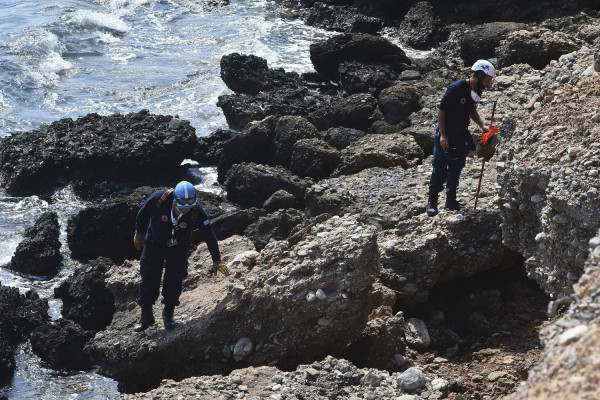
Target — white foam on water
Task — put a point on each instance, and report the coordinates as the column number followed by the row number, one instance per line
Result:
column 99, row 20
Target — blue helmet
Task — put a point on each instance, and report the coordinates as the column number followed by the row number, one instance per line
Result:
column 185, row 195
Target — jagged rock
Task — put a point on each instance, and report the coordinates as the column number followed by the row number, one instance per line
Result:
column 280, row 200
column 94, row 149
column 60, row 345
column 250, row 74
column 254, row 144
column 314, row 158
column 351, row 112
column 421, row 28
column 534, row 47
column 421, row 252
column 272, row 305
column 288, row 130
column 341, row 137
column 250, row 184
column 209, row 149
column 549, row 202
column 480, row 41
column 85, row 298
column 356, row 77
column 416, row 334
column 39, row 252
column 277, row 226
column 574, row 336
column 398, row 102
column 328, row 54
column 341, row 19
column 21, row 314
column 379, row 343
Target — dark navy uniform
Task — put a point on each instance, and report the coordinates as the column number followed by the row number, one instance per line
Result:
column 447, row 165
column 167, row 243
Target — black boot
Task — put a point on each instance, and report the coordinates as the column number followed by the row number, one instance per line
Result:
column 146, row 320
column 432, row 204
column 168, row 317
column 451, row 203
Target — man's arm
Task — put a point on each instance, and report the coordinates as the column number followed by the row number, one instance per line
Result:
column 442, row 124
column 477, row 119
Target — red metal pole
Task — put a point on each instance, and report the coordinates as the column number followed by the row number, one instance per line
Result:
column 484, row 157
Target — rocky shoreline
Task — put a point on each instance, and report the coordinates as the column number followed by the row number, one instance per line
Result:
column 324, row 225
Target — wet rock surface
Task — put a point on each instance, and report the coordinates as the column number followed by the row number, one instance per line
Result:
column 39, row 252
column 341, row 286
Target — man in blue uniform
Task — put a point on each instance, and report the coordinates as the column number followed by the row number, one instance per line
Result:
column 453, row 140
column 163, row 228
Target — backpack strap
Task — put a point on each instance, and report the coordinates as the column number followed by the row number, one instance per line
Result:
column 164, row 197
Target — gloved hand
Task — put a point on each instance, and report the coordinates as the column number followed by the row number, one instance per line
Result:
column 138, row 240
column 486, row 137
column 219, row 266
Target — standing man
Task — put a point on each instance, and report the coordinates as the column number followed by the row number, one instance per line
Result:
column 453, row 140
column 163, row 228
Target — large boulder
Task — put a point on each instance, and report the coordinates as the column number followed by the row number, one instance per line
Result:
column 421, row 252
column 39, row 252
column 351, row 112
column 250, row 184
column 328, row 54
column 288, row 130
column 304, row 298
column 60, row 345
column 481, row 41
column 341, row 19
column 93, row 149
column 398, row 102
column 250, row 74
column 21, row 315
column 85, row 297
column 421, row 28
column 534, row 47
column 314, row 158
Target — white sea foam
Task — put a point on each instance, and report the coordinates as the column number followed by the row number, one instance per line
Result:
column 102, row 21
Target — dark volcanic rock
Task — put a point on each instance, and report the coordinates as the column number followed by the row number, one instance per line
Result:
column 250, row 184
column 254, row 144
column 327, row 55
column 480, row 41
column 398, row 102
column 314, row 158
column 250, row 74
column 106, row 229
column 39, row 253
column 288, row 130
column 276, row 226
column 60, row 344
column 341, row 19
column 420, row 28
column 210, row 148
column 21, row 314
column 357, row 77
column 536, row 48
column 86, row 300
column 133, row 148
column 341, row 137
column 352, row 112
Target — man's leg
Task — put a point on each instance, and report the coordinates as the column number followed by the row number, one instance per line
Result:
column 150, row 271
column 175, row 272
column 438, row 176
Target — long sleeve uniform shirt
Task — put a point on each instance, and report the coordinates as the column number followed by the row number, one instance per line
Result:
column 160, row 228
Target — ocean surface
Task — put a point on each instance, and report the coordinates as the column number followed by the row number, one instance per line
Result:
column 68, row 58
